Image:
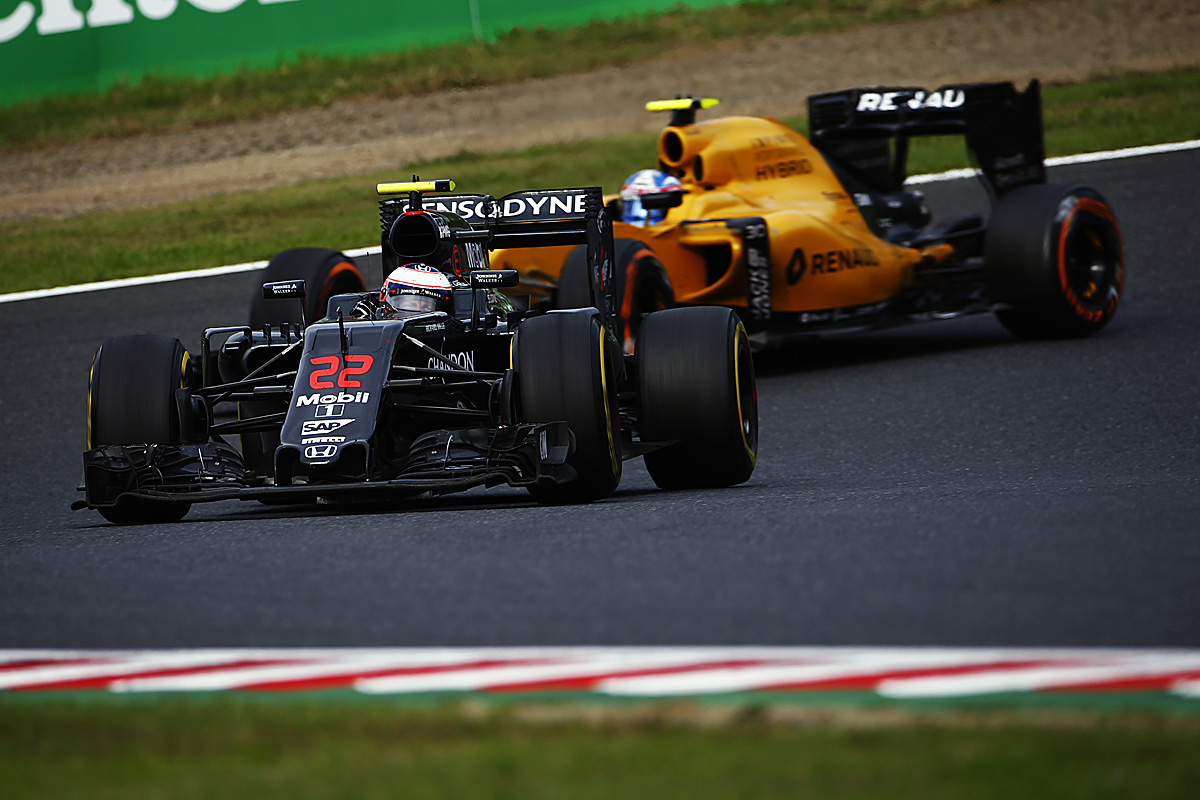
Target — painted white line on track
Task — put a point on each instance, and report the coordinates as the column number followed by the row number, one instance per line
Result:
column 950, row 175
column 121, row 283
column 1063, row 161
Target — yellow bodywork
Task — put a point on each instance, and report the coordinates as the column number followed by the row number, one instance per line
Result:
column 822, row 253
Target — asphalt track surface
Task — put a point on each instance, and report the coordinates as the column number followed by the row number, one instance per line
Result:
column 942, row 484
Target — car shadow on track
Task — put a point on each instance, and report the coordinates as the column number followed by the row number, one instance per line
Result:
column 252, row 511
column 859, row 349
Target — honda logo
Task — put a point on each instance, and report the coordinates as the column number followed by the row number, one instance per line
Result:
column 320, row 451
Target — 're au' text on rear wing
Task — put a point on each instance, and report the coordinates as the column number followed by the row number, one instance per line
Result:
column 865, row 132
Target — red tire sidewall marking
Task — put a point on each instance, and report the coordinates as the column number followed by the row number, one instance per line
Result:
column 1090, row 206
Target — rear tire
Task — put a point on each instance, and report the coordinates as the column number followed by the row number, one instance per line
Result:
column 1054, row 254
column 131, row 400
column 325, row 273
column 696, row 379
column 642, row 286
column 565, row 372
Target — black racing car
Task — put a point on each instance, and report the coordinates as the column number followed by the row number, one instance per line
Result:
column 384, row 397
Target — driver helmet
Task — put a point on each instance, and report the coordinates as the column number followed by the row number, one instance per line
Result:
column 415, row 288
column 647, row 181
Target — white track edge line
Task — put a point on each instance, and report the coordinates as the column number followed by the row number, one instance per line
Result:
column 120, row 283
column 950, row 175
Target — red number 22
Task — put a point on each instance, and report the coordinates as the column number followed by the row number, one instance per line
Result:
column 328, row 365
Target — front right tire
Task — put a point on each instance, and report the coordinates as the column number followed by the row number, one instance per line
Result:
column 131, row 400
column 697, row 384
column 565, row 372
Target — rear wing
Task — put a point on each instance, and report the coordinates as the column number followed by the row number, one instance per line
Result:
column 1003, row 130
column 534, row 218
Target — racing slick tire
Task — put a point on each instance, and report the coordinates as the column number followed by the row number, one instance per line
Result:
column 1053, row 253
column 696, row 379
column 131, row 400
column 325, row 273
column 634, row 265
column 565, row 372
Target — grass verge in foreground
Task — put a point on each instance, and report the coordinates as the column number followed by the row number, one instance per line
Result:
column 232, row 747
column 340, row 213
column 520, row 54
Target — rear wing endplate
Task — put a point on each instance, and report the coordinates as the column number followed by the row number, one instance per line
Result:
column 1003, row 130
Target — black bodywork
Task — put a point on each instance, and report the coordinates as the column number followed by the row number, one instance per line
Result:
column 383, row 406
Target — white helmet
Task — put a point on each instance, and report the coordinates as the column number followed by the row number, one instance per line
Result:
column 414, row 288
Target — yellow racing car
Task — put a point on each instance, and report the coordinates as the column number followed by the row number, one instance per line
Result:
column 805, row 235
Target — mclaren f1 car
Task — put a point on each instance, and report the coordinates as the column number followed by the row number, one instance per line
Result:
column 806, row 235
column 433, row 384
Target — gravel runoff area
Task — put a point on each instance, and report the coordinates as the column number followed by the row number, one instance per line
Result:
column 1056, row 41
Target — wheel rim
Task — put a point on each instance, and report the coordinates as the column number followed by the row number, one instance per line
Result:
column 747, row 392
column 1090, row 262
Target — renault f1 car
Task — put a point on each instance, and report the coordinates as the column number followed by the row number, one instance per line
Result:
column 376, row 401
column 801, row 235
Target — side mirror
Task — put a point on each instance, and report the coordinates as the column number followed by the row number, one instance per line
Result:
column 660, row 200
column 494, row 278
column 282, row 290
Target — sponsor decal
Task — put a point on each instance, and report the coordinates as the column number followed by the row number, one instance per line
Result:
column 326, row 366
column 331, row 410
column 61, row 16
column 758, row 271
column 842, row 314
column 796, row 267
column 320, row 451
column 783, row 169
column 777, row 140
column 491, row 277
column 320, row 426
column 473, row 254
column 326, row 399
column 528, row 206
column 287, row 288
column 896, row 101
column 829, row 261
column 316, row 439
column 464, row 360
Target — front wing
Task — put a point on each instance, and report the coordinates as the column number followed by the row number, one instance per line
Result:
column 439, row 462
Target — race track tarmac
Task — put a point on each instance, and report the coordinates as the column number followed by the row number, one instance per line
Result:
column 942, row 485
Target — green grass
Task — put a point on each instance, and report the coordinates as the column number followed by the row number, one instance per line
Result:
column 232, row 748
column 38, row 253
column 159, row 104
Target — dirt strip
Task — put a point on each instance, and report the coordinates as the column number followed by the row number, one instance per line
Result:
column 1061, row 41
